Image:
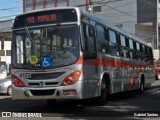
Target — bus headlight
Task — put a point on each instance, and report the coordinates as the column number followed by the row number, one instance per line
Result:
column 71, row 79
column 17, row 82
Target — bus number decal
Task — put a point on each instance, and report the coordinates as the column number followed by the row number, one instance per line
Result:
column 25, row 75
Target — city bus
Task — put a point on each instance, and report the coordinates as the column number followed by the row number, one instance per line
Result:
column 68, row 53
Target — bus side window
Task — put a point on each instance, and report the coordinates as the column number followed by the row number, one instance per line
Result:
column 124, row 51
column 89, row 37
column 123, row 45
column 113, row 45
column 134, row 50
column 131, row 47
column 143, row 53
column 151, row 54
column 138, row 53
column 101, row 38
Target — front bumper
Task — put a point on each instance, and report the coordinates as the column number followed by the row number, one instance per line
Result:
column 48, row 92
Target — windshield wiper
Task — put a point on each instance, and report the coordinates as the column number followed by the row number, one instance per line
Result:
column 28, row 34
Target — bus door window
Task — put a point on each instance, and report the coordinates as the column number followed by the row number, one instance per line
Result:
column 20, row 49
column 89, row 38
column 113, row 44
column 102, row 43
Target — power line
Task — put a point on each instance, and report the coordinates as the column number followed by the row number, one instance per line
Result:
column 9, row 8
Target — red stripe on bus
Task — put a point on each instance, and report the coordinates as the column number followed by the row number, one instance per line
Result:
column 80, row 60
column 109, row 62
column 115, row 63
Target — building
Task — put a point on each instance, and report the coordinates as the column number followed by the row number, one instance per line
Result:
column 5, row 54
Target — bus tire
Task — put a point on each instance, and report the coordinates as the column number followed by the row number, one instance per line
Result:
column 141, row 86
column 51, row 102
column 101, row 100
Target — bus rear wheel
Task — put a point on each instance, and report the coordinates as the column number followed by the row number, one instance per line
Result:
column 141, row 87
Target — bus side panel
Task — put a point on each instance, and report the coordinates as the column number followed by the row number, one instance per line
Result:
column 90, row 77
column 111, row 65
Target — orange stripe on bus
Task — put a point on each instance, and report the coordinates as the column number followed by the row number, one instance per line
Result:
column 108, row 62
column 114, row 63
column 80, row 60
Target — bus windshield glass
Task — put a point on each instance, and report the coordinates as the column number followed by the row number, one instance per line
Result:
column 45, row 47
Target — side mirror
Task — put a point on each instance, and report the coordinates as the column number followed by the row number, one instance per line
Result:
column 2, row 42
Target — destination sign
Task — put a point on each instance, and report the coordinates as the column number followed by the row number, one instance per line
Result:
column 41, row 18
column 45, row 17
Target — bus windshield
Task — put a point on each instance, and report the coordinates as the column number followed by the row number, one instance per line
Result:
column 55, row 45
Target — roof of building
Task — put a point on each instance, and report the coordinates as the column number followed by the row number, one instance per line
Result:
column 6, row 25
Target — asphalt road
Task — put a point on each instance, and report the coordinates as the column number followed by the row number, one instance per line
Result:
column 128, row 105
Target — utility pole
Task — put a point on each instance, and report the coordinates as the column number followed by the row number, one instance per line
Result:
column 90, row 9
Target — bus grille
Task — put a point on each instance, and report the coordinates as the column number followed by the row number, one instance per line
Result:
column 43, row 76
column 46, row 84
column 42, row 92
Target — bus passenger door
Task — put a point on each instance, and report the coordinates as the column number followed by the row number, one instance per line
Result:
column 90, row 68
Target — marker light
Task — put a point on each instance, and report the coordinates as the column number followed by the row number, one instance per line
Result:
column 71, row 79
column 17, row 82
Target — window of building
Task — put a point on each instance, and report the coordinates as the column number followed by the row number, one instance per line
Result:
column 29, row 2
column 61, row 1
column 38, row 2
column 8, row 52
column 2, row 53
column 50, row 1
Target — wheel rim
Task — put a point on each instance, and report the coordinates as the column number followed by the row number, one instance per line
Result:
column 9, row 91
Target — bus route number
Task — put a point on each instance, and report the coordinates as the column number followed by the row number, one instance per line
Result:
column 25, row 75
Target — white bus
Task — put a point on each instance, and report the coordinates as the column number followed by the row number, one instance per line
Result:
column 68, row 53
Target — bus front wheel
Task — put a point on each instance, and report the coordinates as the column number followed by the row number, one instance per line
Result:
column 101, row 100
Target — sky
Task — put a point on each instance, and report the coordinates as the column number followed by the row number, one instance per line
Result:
column 10, row 8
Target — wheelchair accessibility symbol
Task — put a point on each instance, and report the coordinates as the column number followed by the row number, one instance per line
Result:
column 46, row 61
